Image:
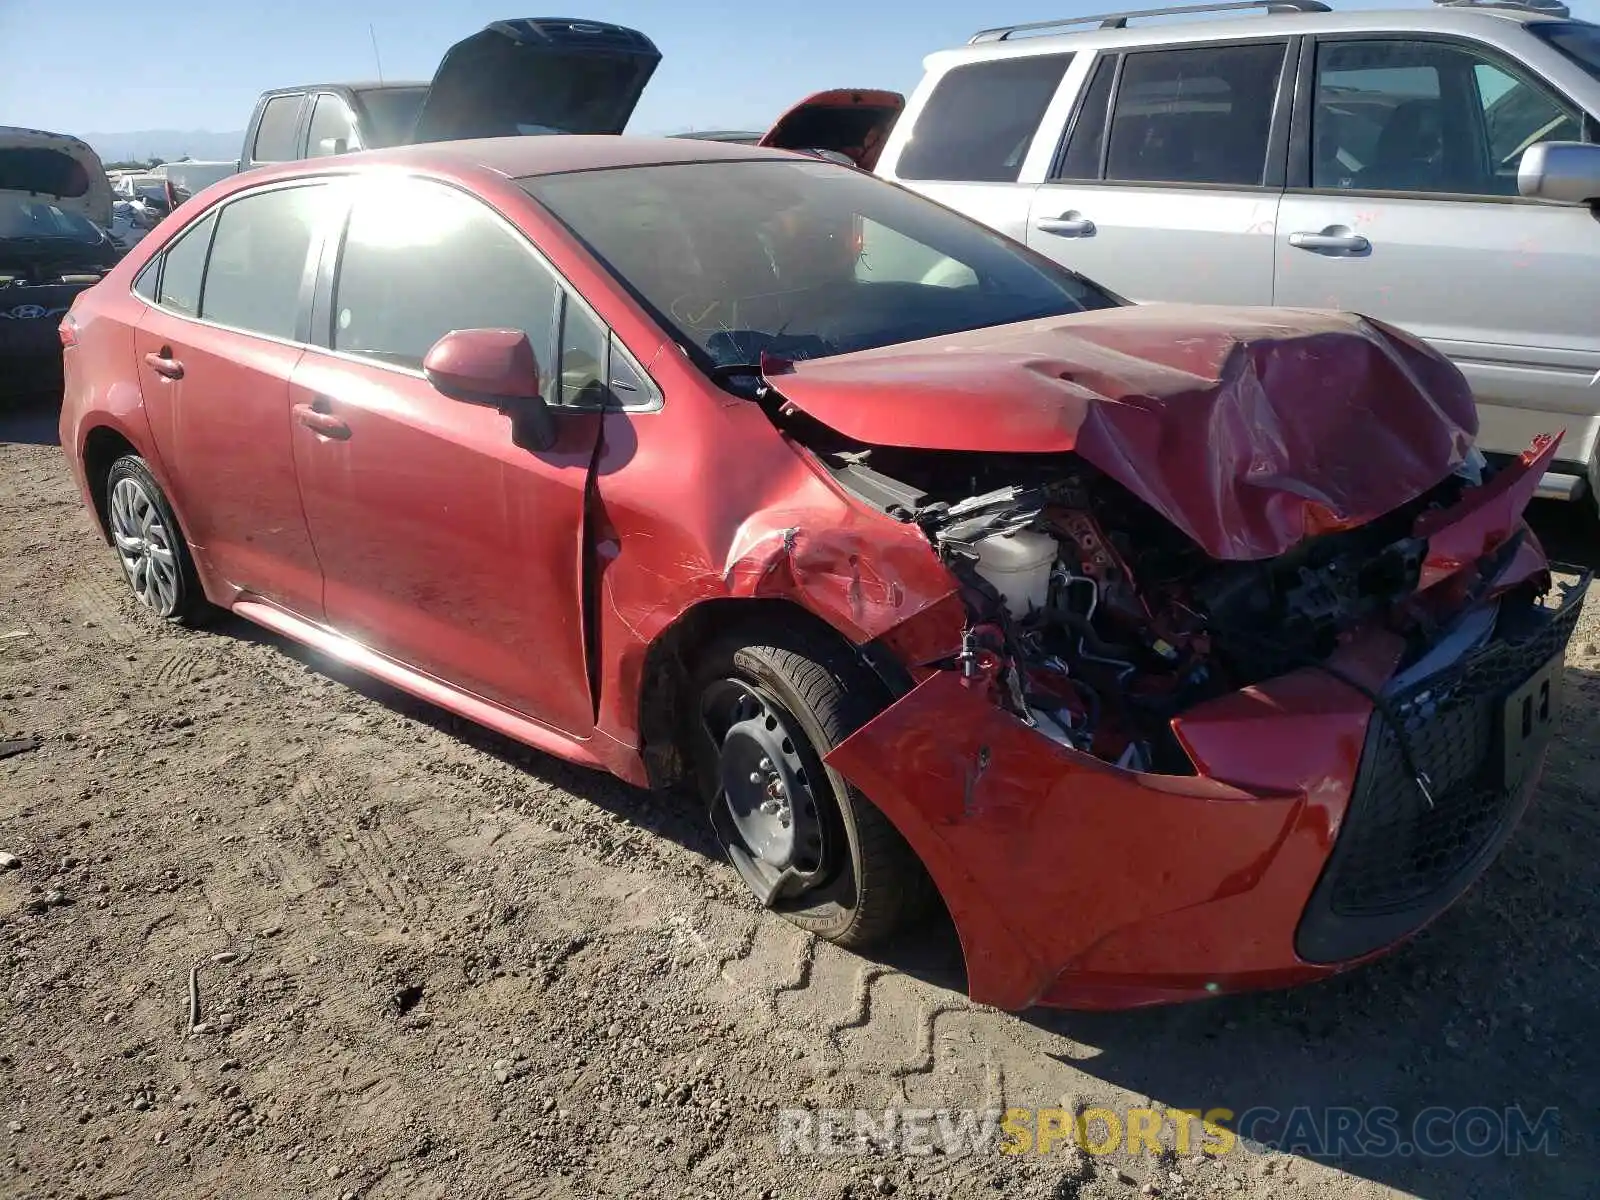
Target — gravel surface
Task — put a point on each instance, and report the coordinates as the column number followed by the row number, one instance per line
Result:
column 269, row 929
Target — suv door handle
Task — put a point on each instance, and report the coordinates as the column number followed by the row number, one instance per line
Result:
column 163, row 364
column 324, row 424
column 1348, row 243
column 1068, row 224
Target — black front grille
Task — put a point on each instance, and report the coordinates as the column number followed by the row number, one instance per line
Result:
column 1399, row 861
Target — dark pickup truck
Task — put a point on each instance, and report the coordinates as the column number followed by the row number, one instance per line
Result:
column 530, row 75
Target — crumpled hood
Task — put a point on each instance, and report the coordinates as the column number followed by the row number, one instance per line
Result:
column 1249, row 429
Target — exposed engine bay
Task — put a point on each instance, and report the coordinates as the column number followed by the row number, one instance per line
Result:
column 1103, row 620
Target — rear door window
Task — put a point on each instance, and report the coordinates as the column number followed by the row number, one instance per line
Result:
column 980, row 120
column 184, row 267
column 1200, row 115
column 258, row 260
column 275, row 136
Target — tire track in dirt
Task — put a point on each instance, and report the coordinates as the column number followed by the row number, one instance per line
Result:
column 348, row 845
column 185, row 665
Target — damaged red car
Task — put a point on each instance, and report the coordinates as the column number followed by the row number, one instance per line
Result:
column 1174, row 650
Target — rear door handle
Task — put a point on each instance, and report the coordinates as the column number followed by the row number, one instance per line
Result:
column 163, row 364
column 323, row 423
column 1348, row 243
column 1066, row 225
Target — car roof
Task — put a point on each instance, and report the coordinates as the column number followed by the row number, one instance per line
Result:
column 1432, row 18
column 359, row 85
column 519, row 157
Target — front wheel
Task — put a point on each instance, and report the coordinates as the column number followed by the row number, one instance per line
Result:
column 771, row 704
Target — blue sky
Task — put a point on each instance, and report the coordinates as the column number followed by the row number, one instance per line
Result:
column 115, row 65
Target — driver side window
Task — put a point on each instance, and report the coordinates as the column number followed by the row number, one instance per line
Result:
column 1426, row 117
column 421, row 259
column 1517, row 115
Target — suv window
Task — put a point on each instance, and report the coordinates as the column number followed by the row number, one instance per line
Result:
column 330, row 120
column 275, row 134
column 1088, row 133
column 258, row 260
column 184, row 268
column 421, row 259
column 1429, row 117
column 980, row 120
column 1197, row 115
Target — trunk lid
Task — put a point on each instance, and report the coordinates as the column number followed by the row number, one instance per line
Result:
column 854, row 122
column 1249, row 429
column 56, row 169
column 537, row 75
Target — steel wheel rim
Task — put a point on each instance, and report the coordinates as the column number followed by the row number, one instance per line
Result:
column 766, row 798
column 145, row 546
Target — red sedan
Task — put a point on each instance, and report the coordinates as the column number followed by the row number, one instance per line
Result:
column 1176, row 650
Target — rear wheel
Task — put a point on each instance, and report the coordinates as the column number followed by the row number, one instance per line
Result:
column 771, row 704
column 154, row 558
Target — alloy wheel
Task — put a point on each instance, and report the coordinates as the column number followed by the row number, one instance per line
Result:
column 144, row 543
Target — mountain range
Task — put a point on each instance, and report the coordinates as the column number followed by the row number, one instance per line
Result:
column 167, row 144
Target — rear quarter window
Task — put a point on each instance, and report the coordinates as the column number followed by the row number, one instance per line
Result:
column 184, row 267
column 980, row 120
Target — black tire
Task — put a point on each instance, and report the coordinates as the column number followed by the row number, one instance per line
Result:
column 869, row 883
column 174, row 596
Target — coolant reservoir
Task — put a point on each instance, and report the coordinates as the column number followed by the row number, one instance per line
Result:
column 1017, row 565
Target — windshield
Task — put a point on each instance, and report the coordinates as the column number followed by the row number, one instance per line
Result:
column 21, row 217
column 391, row 114
column 800, row 259
column 1578, row 40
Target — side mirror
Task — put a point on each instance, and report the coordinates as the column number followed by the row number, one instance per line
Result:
column 333, row 146
column 495, row 367
column 1565, row 172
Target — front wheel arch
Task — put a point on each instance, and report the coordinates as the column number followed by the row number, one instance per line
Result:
column 666, row 680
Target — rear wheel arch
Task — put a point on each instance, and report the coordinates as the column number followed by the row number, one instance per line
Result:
column 102, row 446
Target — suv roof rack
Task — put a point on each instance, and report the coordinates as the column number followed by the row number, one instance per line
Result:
column 1119, row 20
column 1550, row 8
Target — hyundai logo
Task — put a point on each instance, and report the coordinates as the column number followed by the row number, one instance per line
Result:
column 31, row 312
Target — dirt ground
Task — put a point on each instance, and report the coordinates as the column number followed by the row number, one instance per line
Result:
column 431, row 963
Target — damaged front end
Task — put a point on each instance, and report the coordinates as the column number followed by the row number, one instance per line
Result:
column 1144, row 764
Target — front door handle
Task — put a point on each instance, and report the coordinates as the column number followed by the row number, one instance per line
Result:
column 1345, row 243
column 1068, row 224
column 163, row 364
column 323, row 423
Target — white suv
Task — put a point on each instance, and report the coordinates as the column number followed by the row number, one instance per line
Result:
column 1422, row 166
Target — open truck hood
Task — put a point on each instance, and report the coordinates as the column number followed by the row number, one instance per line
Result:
column 56, row 169
column 1249, row 429
column 537, row 75
column 854, row 122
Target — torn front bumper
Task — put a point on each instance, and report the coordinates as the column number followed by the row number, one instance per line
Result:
column 1298, row 850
